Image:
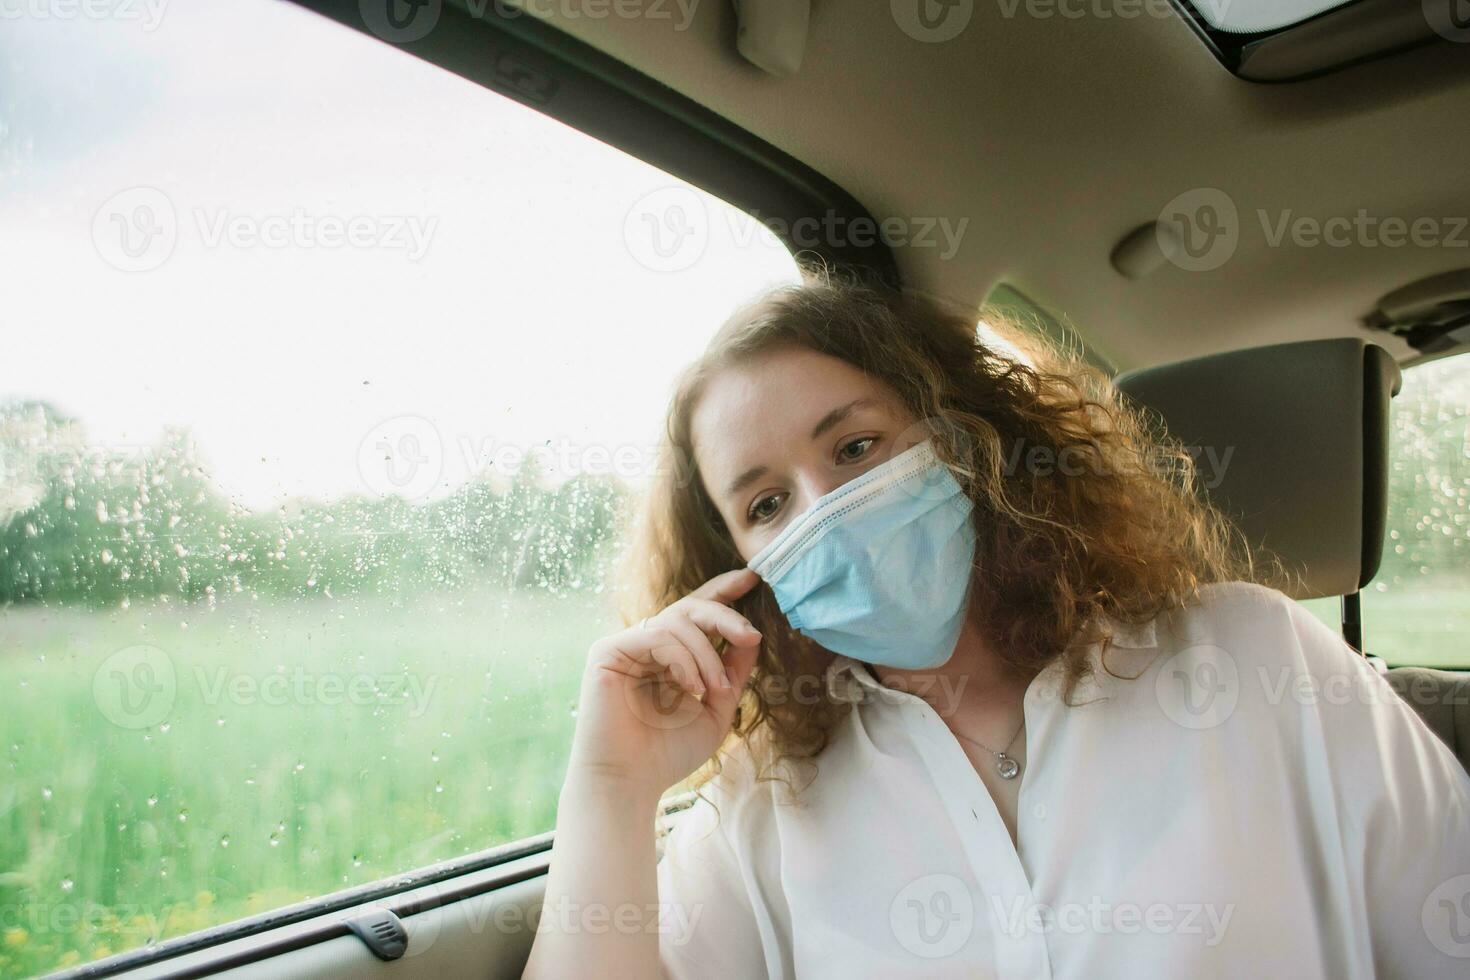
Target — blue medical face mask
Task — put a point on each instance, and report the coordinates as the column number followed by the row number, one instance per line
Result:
column 879, row 569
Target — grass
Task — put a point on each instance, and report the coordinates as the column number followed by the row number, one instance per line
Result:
column 445, row 731
column 1425, row 626
column 395, row 734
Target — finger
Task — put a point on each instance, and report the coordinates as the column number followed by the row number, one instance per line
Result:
column 693, row 638
column 647, row 652
column 714, row 618
column 728, row 586
column 739, row 664
column 669, row 652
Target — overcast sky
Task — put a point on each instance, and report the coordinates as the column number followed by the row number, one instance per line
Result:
column 503, row 293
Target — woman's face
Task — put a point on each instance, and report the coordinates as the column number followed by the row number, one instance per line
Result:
column 773, row 435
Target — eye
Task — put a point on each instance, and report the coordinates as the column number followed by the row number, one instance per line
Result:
column 856, row 449
column 765, row 508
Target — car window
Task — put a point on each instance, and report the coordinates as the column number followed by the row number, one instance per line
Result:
column 1417, row 609
column 329, row 380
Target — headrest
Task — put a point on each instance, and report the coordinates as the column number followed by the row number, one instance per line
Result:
column 1291, row 442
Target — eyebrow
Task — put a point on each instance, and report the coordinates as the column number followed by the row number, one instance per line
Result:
column 838, row 414
column 828, row 421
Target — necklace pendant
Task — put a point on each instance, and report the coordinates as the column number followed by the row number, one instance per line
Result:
column 1007, row 767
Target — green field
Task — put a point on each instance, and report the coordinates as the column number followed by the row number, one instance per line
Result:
column 255, row 793
column 446, row 732
column 1428, row 627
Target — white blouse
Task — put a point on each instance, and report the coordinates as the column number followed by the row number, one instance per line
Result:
column 1255, row 802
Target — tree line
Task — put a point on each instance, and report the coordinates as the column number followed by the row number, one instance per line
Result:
column 88, row 526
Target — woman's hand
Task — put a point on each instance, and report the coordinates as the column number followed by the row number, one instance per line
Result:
column 658, row 699
column 656, row 702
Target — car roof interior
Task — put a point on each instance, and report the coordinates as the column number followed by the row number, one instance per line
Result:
column 1055, row 136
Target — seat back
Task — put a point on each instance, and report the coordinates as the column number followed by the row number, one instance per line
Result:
column 1442, row 698
column 1292, row 443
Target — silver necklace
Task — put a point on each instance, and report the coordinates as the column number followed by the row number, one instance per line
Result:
column 1005, row 765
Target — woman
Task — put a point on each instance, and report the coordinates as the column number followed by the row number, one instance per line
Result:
column 976, row 687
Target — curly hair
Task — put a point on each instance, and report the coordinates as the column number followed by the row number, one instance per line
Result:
column 1086, row 513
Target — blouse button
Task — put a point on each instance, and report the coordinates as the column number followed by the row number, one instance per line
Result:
column 1040, row 811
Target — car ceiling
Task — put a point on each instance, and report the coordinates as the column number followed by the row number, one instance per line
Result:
column 1056, row 136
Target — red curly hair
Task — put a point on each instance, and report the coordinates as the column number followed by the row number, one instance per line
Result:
column 1112, row 530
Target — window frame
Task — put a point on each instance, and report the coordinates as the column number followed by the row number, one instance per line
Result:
column 328, row 924
column 566, row 79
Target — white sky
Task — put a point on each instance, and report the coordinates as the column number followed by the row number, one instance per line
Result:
column 528, row 318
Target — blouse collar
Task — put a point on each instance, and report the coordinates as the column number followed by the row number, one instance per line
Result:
column 852, row 680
